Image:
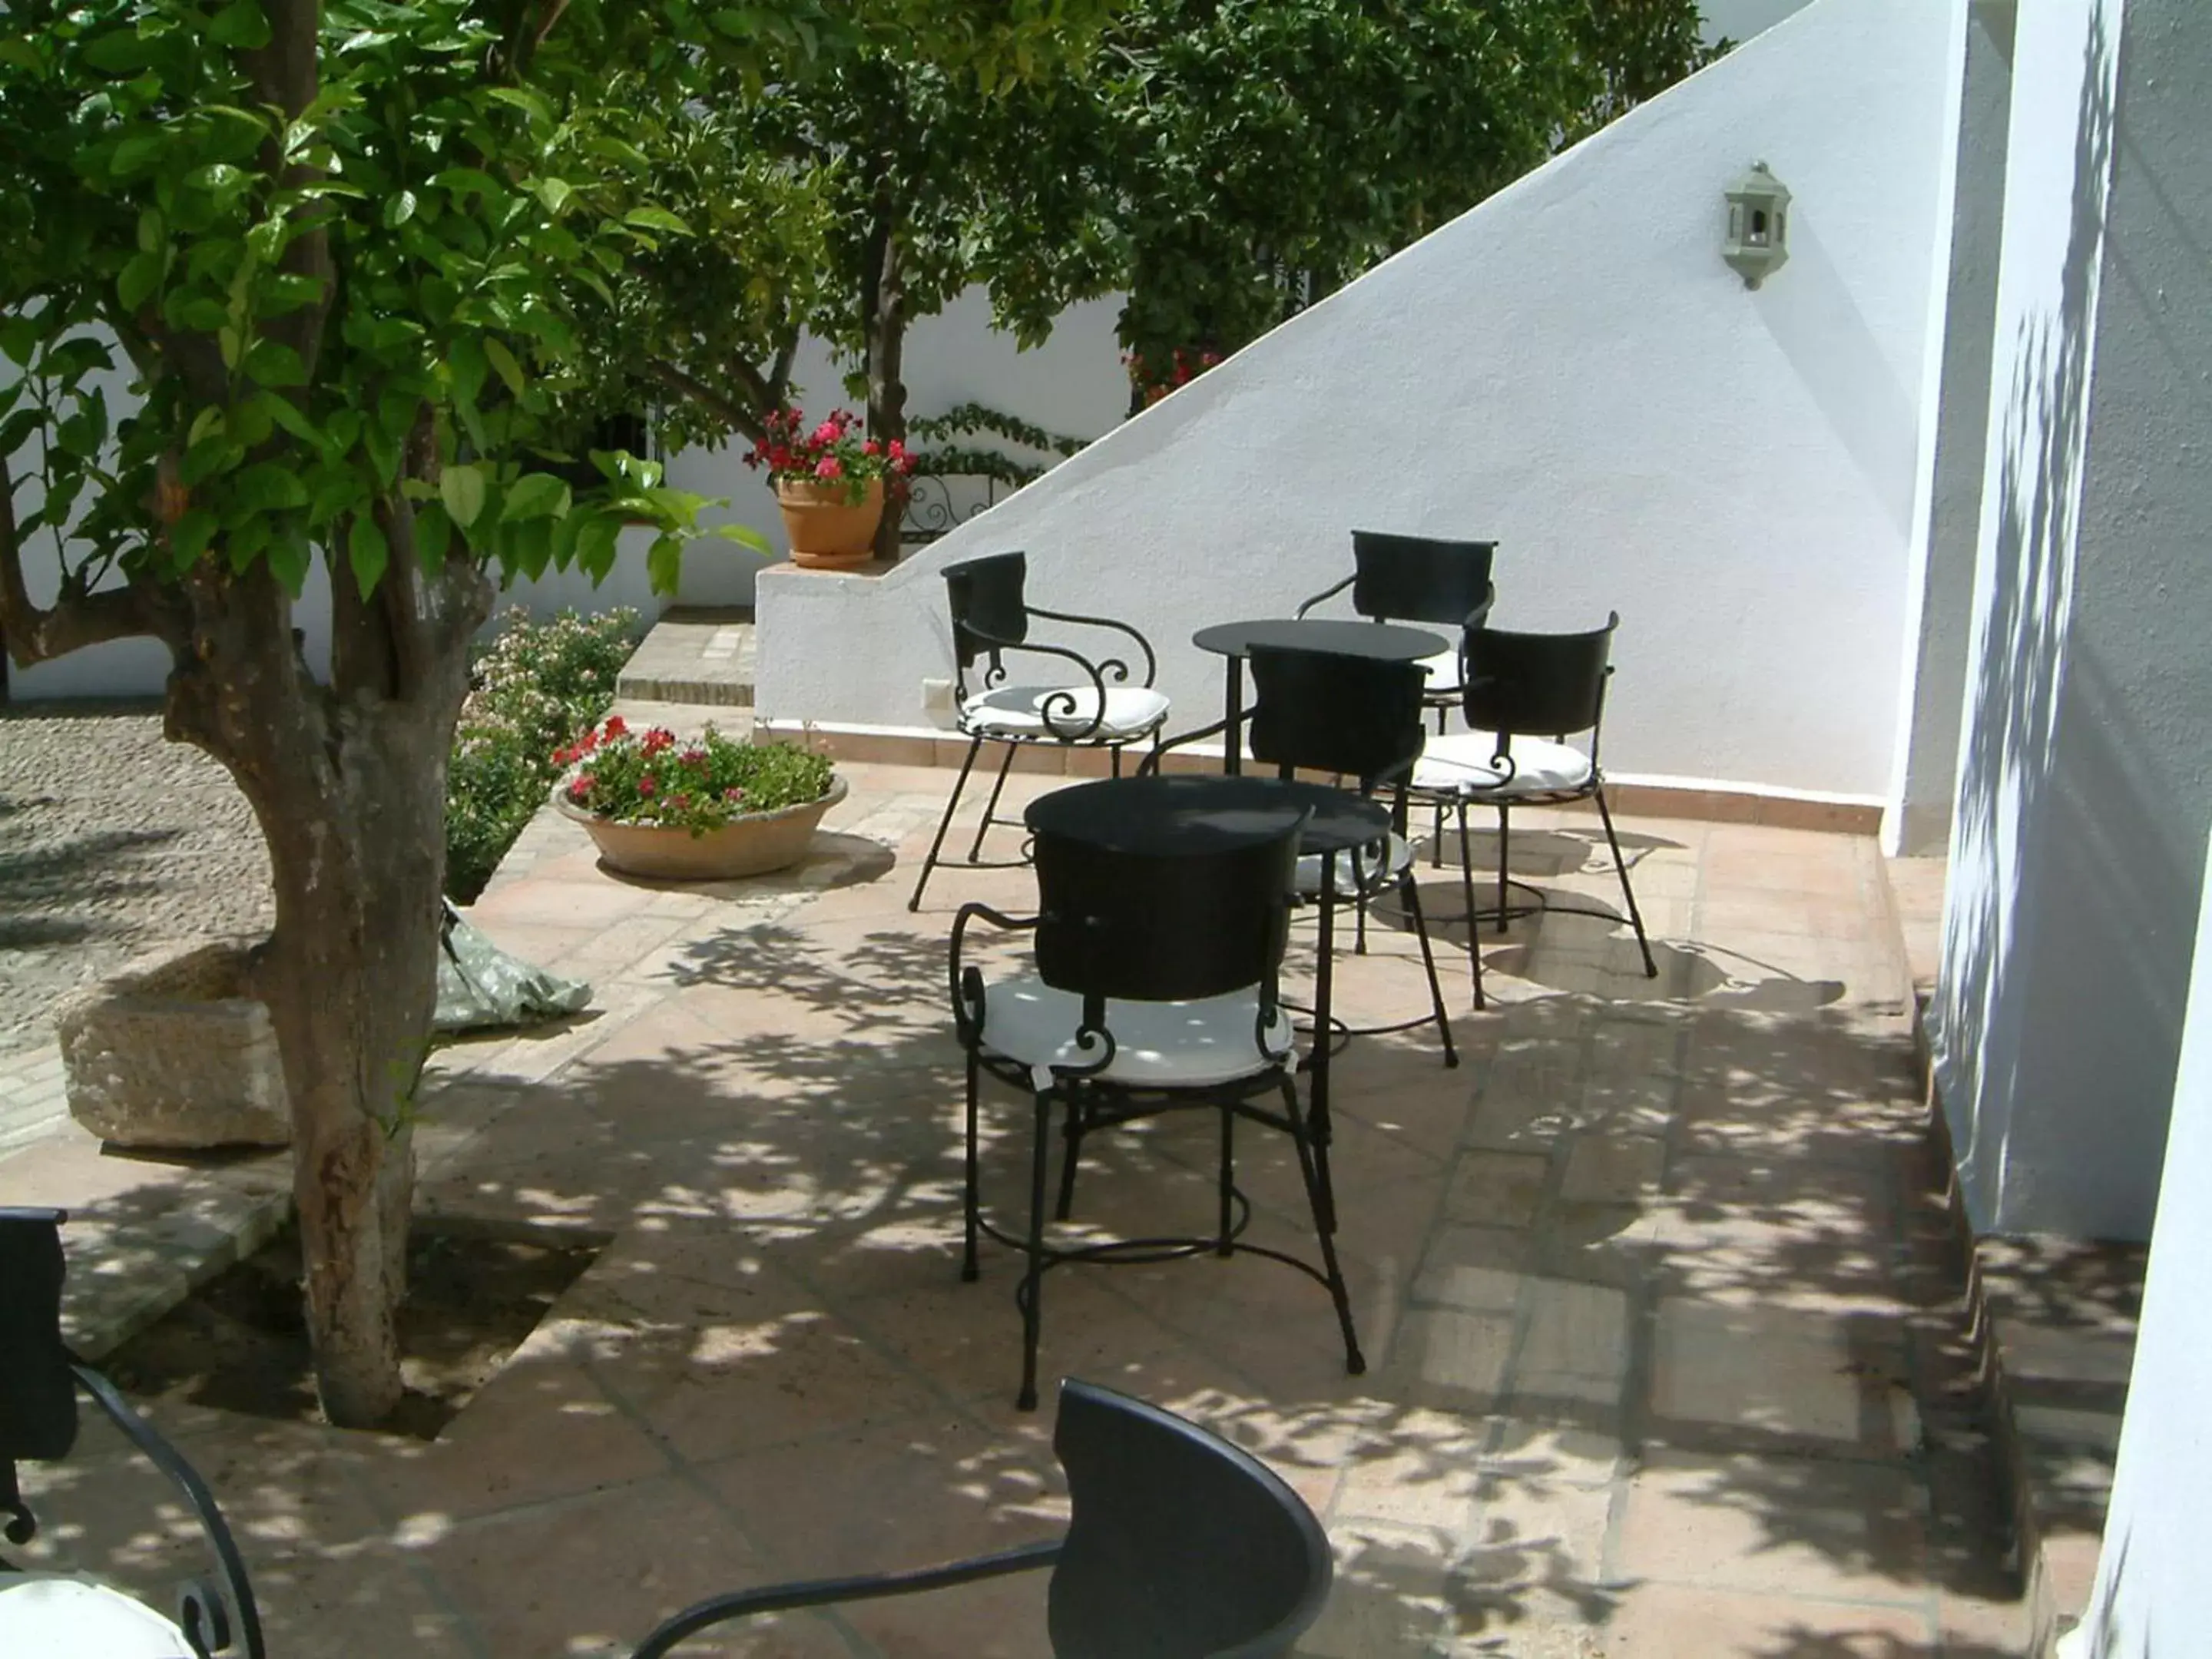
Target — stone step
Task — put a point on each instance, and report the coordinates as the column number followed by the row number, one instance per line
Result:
column 696, row 654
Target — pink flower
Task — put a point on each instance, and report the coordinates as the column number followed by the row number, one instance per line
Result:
column 581, row 786
column 646, row 787
column 694, row 756
column 829, row 467
column 734, row 794
column 897, row 450
column 872, row 447
column 827, row 433
column 615, row 728
column 679, row 800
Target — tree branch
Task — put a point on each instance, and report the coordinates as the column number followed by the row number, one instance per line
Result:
column 35, row 635
column 723, row 408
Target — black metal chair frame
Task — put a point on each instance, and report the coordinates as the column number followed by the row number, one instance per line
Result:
column 1180, row 1547
column 1483, row 695
column 217, row 1617
column 990, row 617
column 1371, row 774
column 1093, row 1101
column 1419, row 579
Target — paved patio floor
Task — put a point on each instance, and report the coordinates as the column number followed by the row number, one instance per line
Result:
column 1667, row 1348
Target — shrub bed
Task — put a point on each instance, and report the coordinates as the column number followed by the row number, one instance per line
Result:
column 538, row 688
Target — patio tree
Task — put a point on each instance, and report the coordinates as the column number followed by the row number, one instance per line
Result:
column 293, row 285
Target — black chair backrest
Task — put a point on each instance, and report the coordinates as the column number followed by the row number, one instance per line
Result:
column 1419, row 578
column 1141, row 927
column 1540, row 684
column 37, row 1393
column 1328, row 712
column 986, row 594
column 1181, row 1546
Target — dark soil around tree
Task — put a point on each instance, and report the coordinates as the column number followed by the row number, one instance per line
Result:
column 240, row 1342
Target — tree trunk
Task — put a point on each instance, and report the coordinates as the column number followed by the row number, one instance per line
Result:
column 884, row 317
column 348, row 782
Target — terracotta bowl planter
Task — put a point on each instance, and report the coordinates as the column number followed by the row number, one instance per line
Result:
column 750, row 844
column 827, row 532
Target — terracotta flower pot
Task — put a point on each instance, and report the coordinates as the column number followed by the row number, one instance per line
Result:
column 829, row 531
column 750, row 844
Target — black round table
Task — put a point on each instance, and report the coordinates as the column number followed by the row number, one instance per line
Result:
column 1163, row 816
column 1236, row 641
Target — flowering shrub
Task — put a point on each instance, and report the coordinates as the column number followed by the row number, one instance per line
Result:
column 654, row 777
column 536, row 687
column 1154, row 380
column 830, row 453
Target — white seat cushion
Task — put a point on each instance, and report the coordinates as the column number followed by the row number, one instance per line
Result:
column 1019, row 711
column 1352, row 864
column 1161, row 1045
column 1442, row 670
column 1463, row 761
column 57, row 1618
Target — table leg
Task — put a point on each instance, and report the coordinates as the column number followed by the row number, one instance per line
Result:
column 1324, row 979
column 1232, row 727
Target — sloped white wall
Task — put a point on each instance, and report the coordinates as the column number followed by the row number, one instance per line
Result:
column 1571, row 369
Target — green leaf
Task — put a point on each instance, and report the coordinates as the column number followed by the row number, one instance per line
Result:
column 469, row 364
column 189, row 536
column 268, row 487
column 664, row 563
column 656, row 218
column 597, row 537
column 19, row 338
column 271, row 362
column 119, row 52
column 553, row 194
column 462, row 490
column 15, row 431
column 289, row 560
column 503, row 361
column 368, row 552
column 399, row 209
column 434, row 535
column 207, row 420
column 744, row 534
column 137, row 152
column 242, row 26
column 536, row 495
column 139, row 275
column 287, row 414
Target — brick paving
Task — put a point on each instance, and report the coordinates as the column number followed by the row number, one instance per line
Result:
column 1668, row 1350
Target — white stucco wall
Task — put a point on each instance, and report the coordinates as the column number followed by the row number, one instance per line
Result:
column 1572, row 370
column 2152, row 1597
column 2086, row 774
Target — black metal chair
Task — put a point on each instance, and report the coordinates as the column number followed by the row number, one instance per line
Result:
column 44, row 1613
column 1155, row 989
column 990, row 617
column 1358, row 718
column 1420, row 579
column 1181, row 1546
column 1526, row 695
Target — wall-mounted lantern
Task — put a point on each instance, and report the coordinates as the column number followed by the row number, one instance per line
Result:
column 1758, row 242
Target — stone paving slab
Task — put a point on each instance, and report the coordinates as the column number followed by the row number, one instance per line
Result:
column 1666, row 1353
column 694, row 655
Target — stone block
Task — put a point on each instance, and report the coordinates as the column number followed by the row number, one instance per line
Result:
column 174, row 1052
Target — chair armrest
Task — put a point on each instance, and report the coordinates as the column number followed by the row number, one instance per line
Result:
column 210, row 1614
column 822, row 1592
column 1151, row 661
column 1481, row 612
column 968, row 983
column 1151, row 764
column 1326, row 593
column 1054, row 711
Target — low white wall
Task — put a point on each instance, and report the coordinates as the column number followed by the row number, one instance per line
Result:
column 1571, row 369
column 2152, row 1598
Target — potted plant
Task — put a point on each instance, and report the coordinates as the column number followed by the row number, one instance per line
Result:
column 830, row 483
column 704, row 809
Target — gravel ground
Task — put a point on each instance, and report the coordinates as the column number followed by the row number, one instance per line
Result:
column 112, row 843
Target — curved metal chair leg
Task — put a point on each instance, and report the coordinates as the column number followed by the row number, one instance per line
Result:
column 991, row 806
column 936, row 846
column 1474, row 921
column 1620, row 864
column 1503, row 864
column 973, row 1202
column 1355, row 1363
column 1031, row 1296
column 1409, row 893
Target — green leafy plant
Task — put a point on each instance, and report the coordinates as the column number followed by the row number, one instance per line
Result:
column 947, row 456
column 654, row 777
column 538, row 687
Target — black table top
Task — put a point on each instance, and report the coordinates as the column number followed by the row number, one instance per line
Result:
column 1384, row 642
column 1200, row 812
